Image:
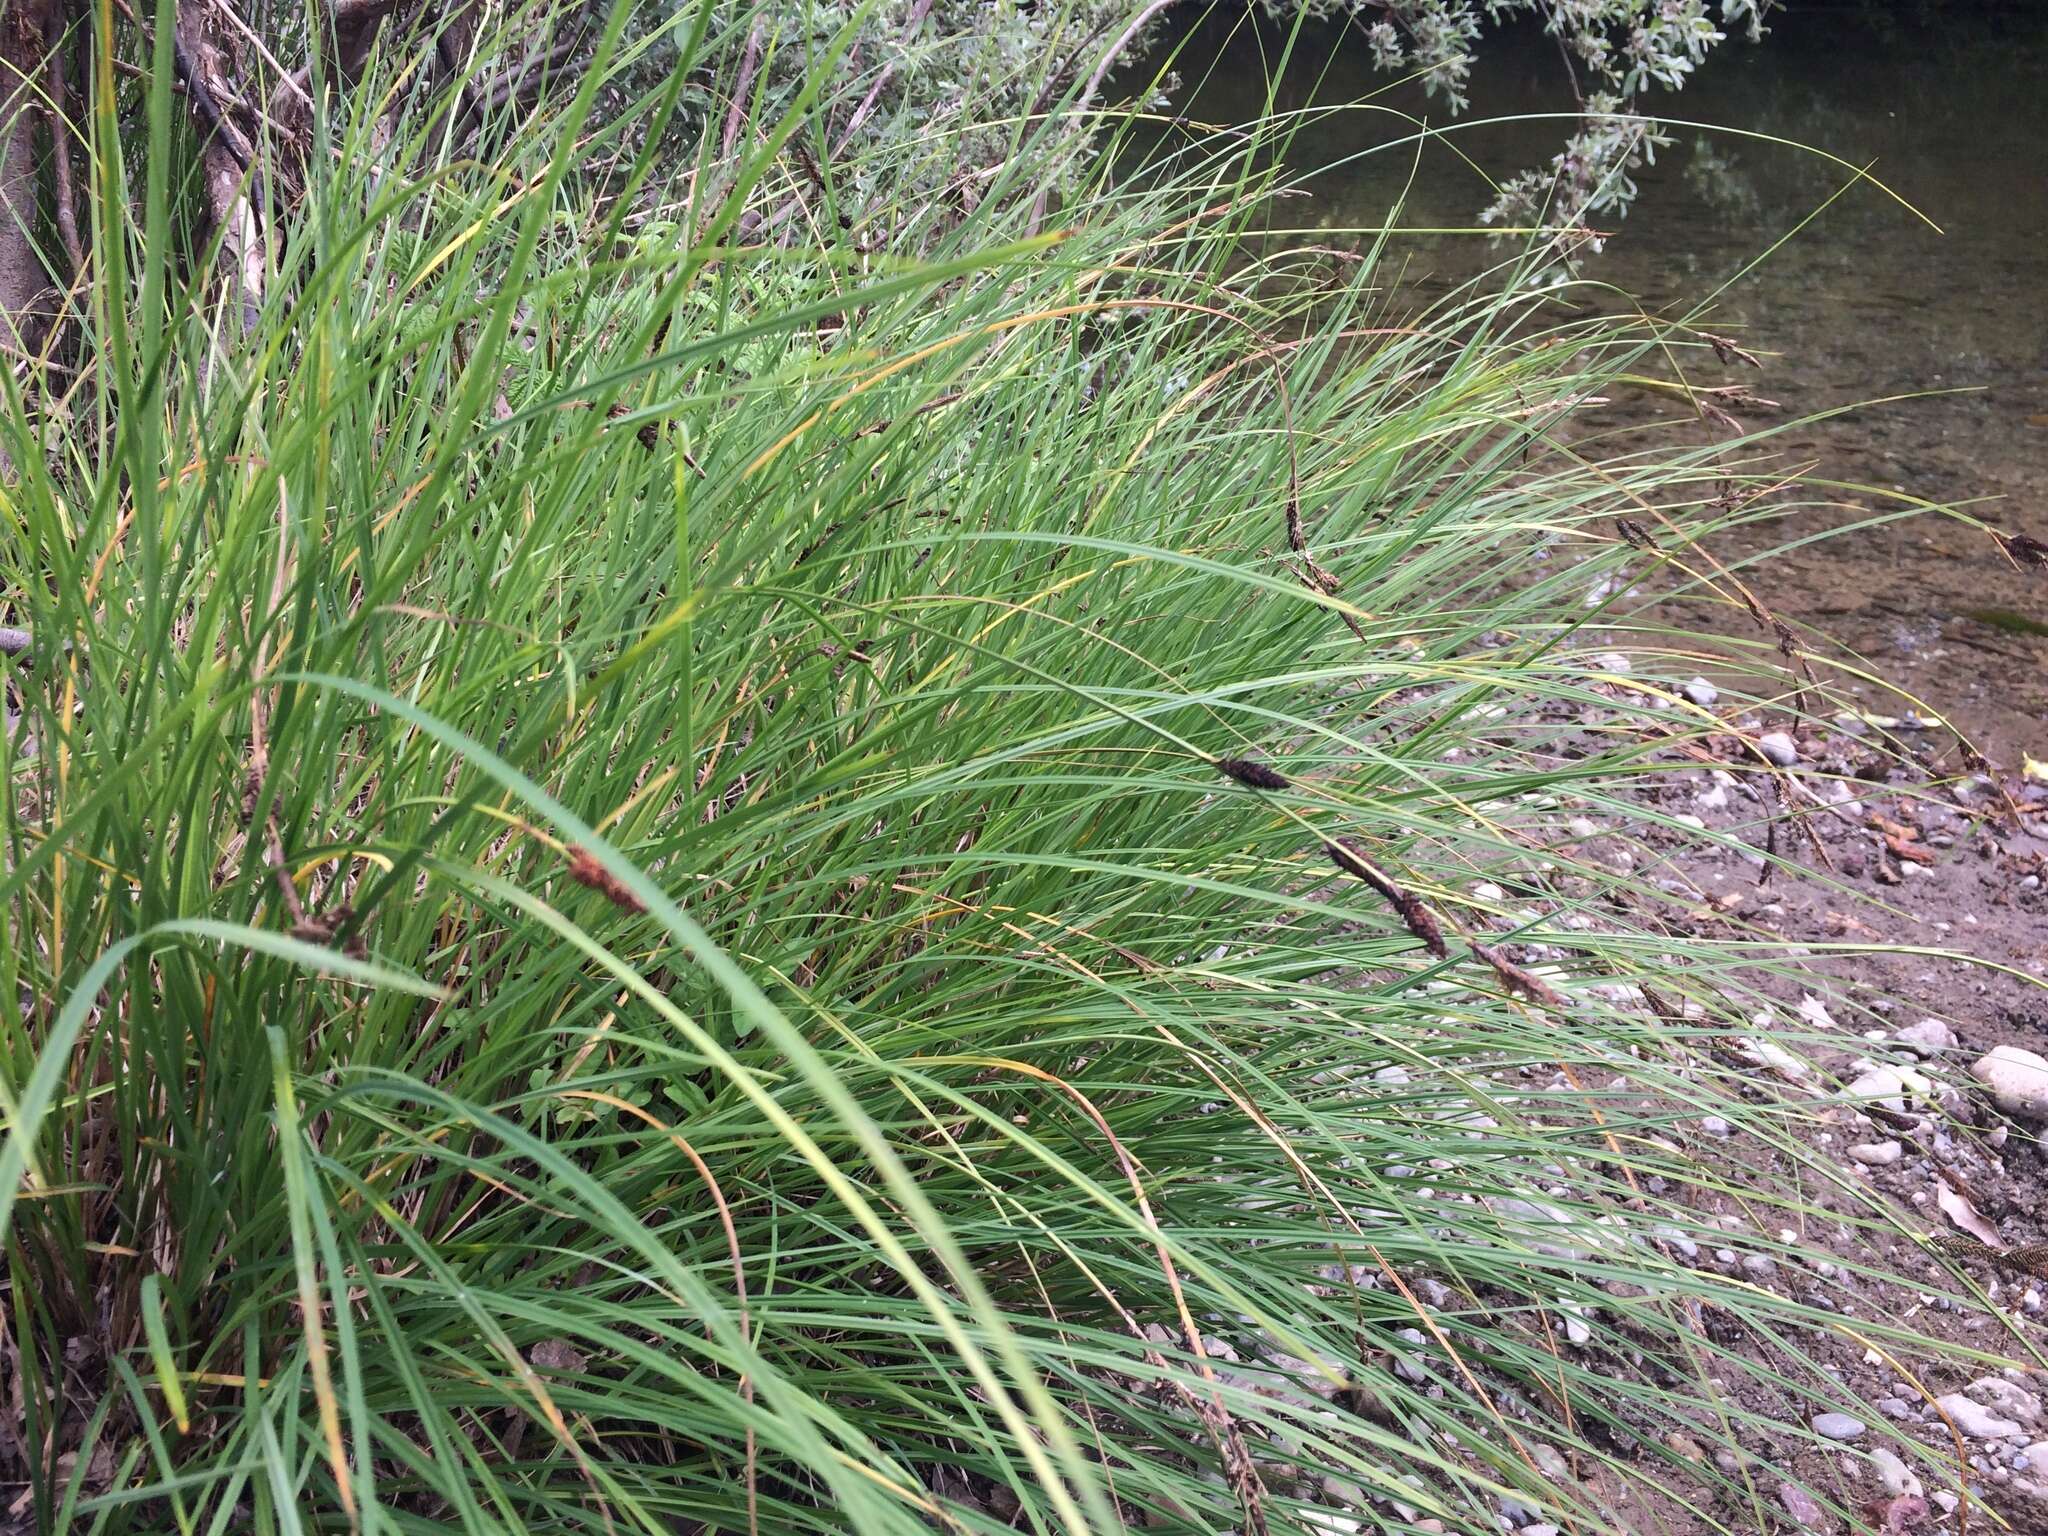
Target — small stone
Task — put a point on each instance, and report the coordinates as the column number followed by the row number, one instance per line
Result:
column 1974, row 1419
column 1799, row 1504
column 1892, row 1087
column 1876, row 1154
column 2036, row 1456
column 1541, row 1528
column 2001, row 1396
column 1898, row 1479
column 1701, row 692
column 1837, row 1426
column 1759, row 1265
column 1929, row 1037
column 2018, row 1080
column 1714, row 1125
column 1778, row 748
column 1768, row 1053
column 1815, row 1012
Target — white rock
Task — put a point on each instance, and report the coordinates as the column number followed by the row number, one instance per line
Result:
column 1701, row 692
column 1768, row 1053
column 2018, row 1080
column 1897, row 1478
column 1613, row 661
column 1714, row 799
column 2037, row 1456
column 1876, row 1154
column 1929, row 1037
column 1837, row 1426
column 1815, row 1012
column 1893, row 1086
column 1685, row 819
column 2001, row 1396
column 1778, row 748
column 1974, row 1419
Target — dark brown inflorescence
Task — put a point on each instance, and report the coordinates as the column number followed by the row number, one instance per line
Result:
column 1252, row 775
column 1347, row 856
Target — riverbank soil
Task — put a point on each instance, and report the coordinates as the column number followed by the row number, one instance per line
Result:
column 1900, row 942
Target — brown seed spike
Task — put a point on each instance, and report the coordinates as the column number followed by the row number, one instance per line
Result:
column 1252, row 775
column 1347, row 856
column 1422, row 923
column 1517, row 980
column 586, row 871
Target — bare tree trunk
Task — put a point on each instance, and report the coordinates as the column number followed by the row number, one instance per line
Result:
column 229, row 158
column 25, row 30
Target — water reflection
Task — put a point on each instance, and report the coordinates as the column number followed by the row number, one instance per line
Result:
column 1867, row 302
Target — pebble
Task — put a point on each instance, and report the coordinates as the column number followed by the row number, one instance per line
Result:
column 2035, row 1456
column 1893, row 1086
column 1701, row 692
column 1779, row 748
column 1714, row 1125
column 1837, row 1426
column 1929, row 1037
column 1799, row 1504
column 2001, row 1396
column 1768, row 1053
column 1876, row 1154
column 1974, row 1419
column 1761, row 1265
column 2018, row 1080
column 1897, row 1477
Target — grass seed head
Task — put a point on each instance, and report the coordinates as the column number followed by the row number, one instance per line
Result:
column 1252, row 775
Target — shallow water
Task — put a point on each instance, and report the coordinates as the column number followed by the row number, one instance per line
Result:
column 1866, row 302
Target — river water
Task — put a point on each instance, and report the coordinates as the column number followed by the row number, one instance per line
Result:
column 1866, row 303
